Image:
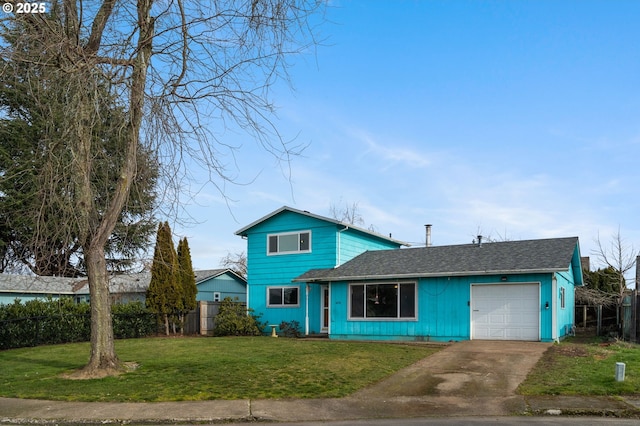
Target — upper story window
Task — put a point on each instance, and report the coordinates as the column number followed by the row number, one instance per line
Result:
column 290, row 242
column 562, row 297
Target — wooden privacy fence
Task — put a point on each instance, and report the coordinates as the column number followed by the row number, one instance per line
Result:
column 602, row 320
column 202, row 319
column 634, row 331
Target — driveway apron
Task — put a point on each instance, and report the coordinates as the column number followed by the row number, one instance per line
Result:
column 469, row 368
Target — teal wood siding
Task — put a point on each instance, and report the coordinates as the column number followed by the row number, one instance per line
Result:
column 278, row 270
column 443, row 311
column 225, row 284
column 352, row 243
column 568, row 281
column 565, row 316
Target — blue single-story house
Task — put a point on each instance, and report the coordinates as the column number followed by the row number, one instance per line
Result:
column 216, row 284
column 31, row 287
column 514, row 290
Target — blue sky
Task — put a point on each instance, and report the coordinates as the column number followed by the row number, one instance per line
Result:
column 515, row 119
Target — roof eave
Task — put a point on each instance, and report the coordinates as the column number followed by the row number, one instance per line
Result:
column 426, row 275
column 243, row 231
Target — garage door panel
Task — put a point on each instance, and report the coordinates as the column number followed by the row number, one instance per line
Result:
column 505, row 311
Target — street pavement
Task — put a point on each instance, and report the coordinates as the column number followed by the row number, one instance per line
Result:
column 466, row 379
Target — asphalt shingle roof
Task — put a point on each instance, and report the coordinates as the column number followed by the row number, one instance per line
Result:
column 38, row 285
column 547, row 255
column 124, row 283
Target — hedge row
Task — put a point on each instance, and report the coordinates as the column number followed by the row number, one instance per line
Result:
column 46, row 322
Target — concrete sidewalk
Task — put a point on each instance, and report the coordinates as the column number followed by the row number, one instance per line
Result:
column 472, row 378
column 20, row 411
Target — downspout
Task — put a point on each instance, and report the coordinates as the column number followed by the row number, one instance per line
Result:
column 306, row 309
column 247, row 306
column 553, row 303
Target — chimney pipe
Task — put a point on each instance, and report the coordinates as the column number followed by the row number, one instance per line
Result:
column 479, row 240
column 428, row 237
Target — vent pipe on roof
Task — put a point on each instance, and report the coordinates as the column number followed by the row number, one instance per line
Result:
column 428, row 236
column 479, row 240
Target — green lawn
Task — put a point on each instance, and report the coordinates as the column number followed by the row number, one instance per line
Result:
column 175, row 369
column 585, row 367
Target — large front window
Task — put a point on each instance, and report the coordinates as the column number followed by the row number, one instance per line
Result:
column 282, row 297
column 383, row 300
column 289, row 243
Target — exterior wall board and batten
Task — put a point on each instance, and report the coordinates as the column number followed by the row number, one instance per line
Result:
column 331, row 243
column 443, row 312
column 220, row 284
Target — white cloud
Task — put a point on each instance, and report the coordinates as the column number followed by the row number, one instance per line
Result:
column 391, row 153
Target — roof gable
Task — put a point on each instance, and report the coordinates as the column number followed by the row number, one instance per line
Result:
column 245, row 230
column 214, row 273
column 529, row 256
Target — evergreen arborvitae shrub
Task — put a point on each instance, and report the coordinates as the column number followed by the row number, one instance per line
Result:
column 187, row 280
column 163, row 294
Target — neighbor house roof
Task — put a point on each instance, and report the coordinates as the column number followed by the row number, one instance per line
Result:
column 213, row 273
column 10, row 283
column 243, row 231
column 119, row 283
column 510, row 257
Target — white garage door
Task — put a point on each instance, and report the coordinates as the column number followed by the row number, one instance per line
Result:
column 505, row 312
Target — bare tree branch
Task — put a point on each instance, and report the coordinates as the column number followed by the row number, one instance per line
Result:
column 183, row 72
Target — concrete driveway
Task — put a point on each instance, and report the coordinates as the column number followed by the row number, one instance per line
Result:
column 470, row 377
column 471, row 368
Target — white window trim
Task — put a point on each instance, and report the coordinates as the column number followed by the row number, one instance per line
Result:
column 283, row 305
column 563, row 298
column 386, row 319
column 283, row 253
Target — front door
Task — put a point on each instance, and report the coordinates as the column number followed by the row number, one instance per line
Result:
column 324, row 320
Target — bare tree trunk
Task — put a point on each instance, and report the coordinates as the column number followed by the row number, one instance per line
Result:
column 103, row 361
